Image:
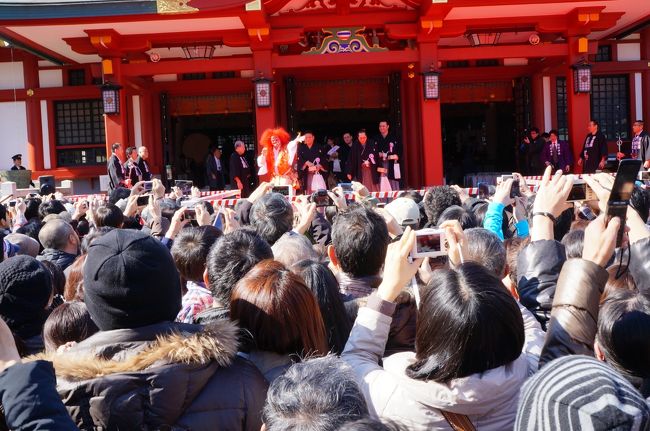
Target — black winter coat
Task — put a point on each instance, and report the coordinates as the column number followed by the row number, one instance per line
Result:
column 163, row 376
column 58, row 257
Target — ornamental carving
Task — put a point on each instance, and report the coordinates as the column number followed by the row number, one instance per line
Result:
column 293, row 6
column 174, row 6
column 344, row 40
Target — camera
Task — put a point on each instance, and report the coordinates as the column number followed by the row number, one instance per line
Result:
column 184, row 185
column 644, row 176
column 148, row 186
column 580, row 191
column 12, row 203
column 283, row 190
column 429, row 243
column 321, row 198
column 514, row 190
column 346, row 187
column 190, row 214
column 143, row 200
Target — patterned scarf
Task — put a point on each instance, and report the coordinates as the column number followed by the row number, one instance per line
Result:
column 557, row 148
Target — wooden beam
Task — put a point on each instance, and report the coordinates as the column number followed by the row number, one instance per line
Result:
column 360, row 60
column 503, row 51
column 187, row 66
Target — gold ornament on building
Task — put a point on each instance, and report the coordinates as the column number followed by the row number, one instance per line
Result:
column 174, row 6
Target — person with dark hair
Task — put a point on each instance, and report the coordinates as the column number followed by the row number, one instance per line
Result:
column 455, row 212
column 58, row 282
column 641, row 144
column 486, row 249
column 271, row 216
column 363, row 162
column 532, row 146
column 116, row 174
column 317, row 394
column 141, row 162
column 371, row 424
column 229, row 260
column 312, row 161
column 109, row 215
column 133, row 173
column 594, row 150
column 53, row 206
column 240, row 170
column 436, row 200
column 118, row 194
column 190, row 252
column 480, row 209
column 389, row 150
column 132, row 292
column 557, row 154
column 359, row 243
column 214, row 169
column 325, row 287
column 513, row 248
column 32, row 228
column 578, row 392
column 573, row 243
column 61, row 243
column 475, row 347
column 279, row 316
column 25, row 294
column 67, row 323
column 32, row 205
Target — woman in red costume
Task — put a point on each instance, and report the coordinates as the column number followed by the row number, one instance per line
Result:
column 277, row 157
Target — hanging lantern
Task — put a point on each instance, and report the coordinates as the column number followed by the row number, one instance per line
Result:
column 111, row 98
column 478, row 39
column 582, row 77
column 431, row 84
column 262, row 91
column 198, row 52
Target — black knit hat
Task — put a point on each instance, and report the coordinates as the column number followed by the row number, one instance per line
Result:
column 580, row 392
column 25, row 289
column 130, row 281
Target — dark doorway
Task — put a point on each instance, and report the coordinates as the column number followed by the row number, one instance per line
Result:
column 477, row 137
column 193, row 135
column 336, row 122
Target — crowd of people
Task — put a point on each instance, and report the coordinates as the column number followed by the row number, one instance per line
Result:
column 282, row 314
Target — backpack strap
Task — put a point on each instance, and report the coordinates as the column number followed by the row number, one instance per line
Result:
column 457, row 421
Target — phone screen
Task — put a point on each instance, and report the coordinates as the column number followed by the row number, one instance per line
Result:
column 283, row 190
column 148, row 186
column 483, row 191
column 143, row 200
column 624, row 182
column 190, row 214
column 346, row 187
column 578, row 192
column 184, row 185
column 428, row 243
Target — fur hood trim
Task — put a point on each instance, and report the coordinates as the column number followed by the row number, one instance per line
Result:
column 216, row 342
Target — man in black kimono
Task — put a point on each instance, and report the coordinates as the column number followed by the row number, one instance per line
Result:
column 532, row 147
column 115, row 169
column 133, row 172
column 141, row 162
column 240, row 170
column 312, row 160
column 594, row 150
column 363, row 162
column 214, row 170
column 390, row 153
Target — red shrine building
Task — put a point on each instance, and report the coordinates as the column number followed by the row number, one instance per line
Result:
column 459, row 81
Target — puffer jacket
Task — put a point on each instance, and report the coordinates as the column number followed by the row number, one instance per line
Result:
column 574, row 317
column 163, row 376
column 489, row 399
column 61, row 258
column 538, row 268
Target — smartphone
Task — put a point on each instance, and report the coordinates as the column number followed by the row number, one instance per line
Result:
column 515, row 192
column 429, row 243
column 283, row 190
column 321, row 199
column 619, row 198
column 190, row 214
column 580, row 191
column 346, row 187
column 184, row 185
column 143, row 200
column 586, row 213
column 148, row 186
column 644, row 176
column 12, row 203
column 483, row 191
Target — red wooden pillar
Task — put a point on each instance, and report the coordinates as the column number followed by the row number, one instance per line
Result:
column 116, row 125
column 645, row 78
column 578, row 104
column 430, row 121
column 411, row 121
column 33, row 111
column 264, row 117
